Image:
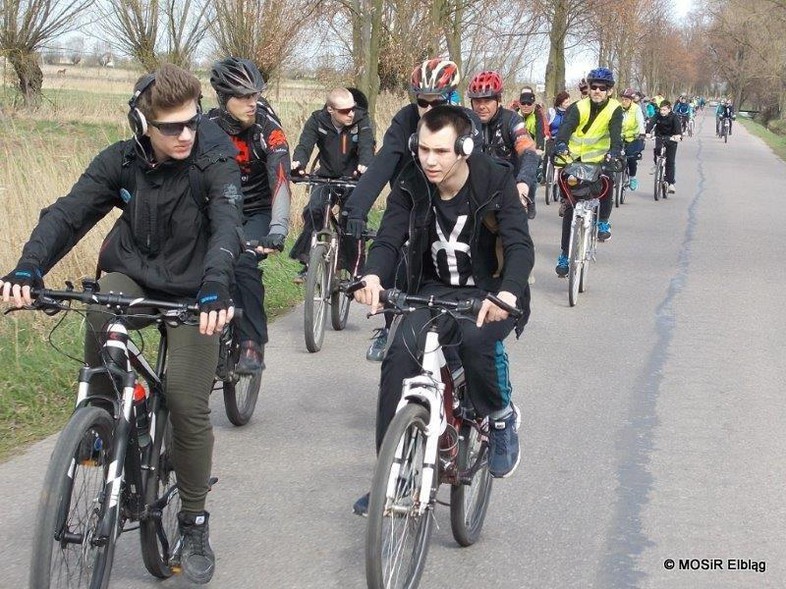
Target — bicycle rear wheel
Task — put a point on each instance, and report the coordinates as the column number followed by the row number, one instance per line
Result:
column 72, row 505
column 397, row 536
column 158, row 531
column 617, row 189
column 549, row 182
column 241, row 391
column 339, row 302
column 725, row 133
column 624, row 187
column 575, row 263
column 317, row 295
column 469, row 500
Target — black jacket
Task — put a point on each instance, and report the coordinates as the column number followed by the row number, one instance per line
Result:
column 665, row 126
column 165, row 239
column 340, row 152
column 497, row 213
column 392, row 158
column 501, row 138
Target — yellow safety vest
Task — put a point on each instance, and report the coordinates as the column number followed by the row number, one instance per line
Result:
column 593, row 145
column 531, row 121
column 630, row 126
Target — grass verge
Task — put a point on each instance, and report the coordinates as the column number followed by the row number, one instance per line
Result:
column 776, row 142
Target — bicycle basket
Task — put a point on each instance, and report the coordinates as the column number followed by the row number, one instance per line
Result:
column 581, row 181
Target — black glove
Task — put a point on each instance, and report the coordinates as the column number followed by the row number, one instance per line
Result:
column 213, row 296
column 273, row 241
column 299, row 171
column 355, row 228
column 561, row 148
column 25, row 274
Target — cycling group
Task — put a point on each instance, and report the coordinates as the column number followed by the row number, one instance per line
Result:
column 205, row 197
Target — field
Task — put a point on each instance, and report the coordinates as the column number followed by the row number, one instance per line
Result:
column 42, row 153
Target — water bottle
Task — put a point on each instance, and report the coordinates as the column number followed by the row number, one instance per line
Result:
column 142, row 418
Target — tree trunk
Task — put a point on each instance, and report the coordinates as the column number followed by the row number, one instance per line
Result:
column 555, row 67
column 30, row 76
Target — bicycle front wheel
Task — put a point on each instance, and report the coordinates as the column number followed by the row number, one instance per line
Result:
column 469, row 500
column 397, row 535
column 317, row 296
column 658, row 180
column 339, row 302
column 549, row 182
column 575, row 264
column 158, row 531
column 72, row 505
column 241, row 391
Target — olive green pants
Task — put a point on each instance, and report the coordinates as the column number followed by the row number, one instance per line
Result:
column 191, row 366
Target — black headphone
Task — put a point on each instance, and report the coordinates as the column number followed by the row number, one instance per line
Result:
column 136, row 119
column 464, row 144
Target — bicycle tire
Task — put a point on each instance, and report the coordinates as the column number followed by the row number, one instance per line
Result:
column 75, row 481
column 624, row 187
column 725, row 134
column 549, row 182
column 588, row 239
column 241, row 391
column 407, row 430
column 314, row 308
column 158, row 531
column 469, row 502
column 339, row 302
column 617, row 189
column 575, row 264
column 657, row 187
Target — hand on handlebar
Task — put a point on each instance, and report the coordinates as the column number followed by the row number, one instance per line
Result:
column 296, row 168
column 676, row 138
column 271, row 244
column 490, row 312
column 369, row 294
column 17, row 284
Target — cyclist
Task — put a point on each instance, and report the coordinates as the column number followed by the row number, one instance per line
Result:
column 263, row 157
column 343, row 136
column 592, row 133
column 431, row 84
column 724, row 110
column 505, row 136
column 666, row 126
column 534, row 117
column 633, row 130
column 434, row 204
column 648, row 108
column 168, row 243
column 583, row 87
column 683, row 110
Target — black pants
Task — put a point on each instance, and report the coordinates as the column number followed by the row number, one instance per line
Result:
column 482, row 354
column 604, row 213
column 632, row 153
column 671, row 156
column 249, row 292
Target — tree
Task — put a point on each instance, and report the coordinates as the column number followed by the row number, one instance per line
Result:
column 132, row 28
column 25, row 27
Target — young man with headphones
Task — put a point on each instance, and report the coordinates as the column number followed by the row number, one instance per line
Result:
column 454, row 207
column 168, row 244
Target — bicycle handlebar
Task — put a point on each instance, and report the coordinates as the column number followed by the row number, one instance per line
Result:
column 313, row 180
column 471, row 306
column 47, row 297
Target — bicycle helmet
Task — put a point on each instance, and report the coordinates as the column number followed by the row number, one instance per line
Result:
column 601, row 75
column 485, row 85
column 235, row 76
column 435, row 76
column 583, row 86
column 629, row 93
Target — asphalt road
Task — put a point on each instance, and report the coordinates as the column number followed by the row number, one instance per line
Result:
column 652, row 413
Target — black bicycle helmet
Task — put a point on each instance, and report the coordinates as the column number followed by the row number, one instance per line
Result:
column 235, row 76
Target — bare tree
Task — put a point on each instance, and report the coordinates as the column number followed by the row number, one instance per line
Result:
column 131, row 26
column 187, row 23
column 25, row 27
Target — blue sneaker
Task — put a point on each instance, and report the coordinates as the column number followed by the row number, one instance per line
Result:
column 504, row 452
column 604, row 230
column 376, row 351
column 562, row 266
column 634, row 184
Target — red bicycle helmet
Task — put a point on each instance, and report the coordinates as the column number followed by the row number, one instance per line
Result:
column 629, row 93
column 485, row 85
column 435, row 76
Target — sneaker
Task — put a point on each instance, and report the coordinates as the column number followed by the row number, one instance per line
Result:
column 504, row 445
column 300, row 277
column 252, row 358
column 376, row 351
column 634, row 184
column 604, row 230
column 672, row 189
column 360, row 507
column 562, row 266
column 652, row 170
column 193, row 554
column 563, row 206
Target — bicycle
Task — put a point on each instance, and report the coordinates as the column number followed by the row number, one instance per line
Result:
column 691, row 125
column 435, row 438
column 583, row 185
column 327, row 278
column 550, row 180
column 241, row 391
column 725, row 128
column 112, row 463
column 661, row 187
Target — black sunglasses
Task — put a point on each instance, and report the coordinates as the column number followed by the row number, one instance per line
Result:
column 599, row 87
column 174, row 129
column 344, row 111
column 423, row 103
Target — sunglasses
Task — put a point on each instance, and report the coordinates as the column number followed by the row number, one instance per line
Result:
column 527, row 102
column 174, row 129
column 423, row 103
column 344, row 111
column 602, row 87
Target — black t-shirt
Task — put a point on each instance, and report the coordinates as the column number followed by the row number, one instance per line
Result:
column 448, row 259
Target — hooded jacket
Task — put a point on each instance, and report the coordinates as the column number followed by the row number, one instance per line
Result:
column 166, row 239
column 496, row 214
column 505, row 137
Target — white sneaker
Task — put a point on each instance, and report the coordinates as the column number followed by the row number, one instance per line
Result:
column 672, row 189
column 652, row 171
